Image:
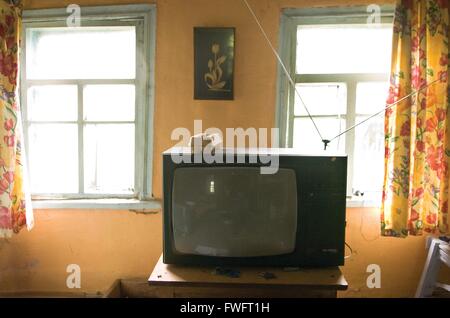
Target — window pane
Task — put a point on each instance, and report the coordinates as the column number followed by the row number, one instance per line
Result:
column 307, row 140
column 371, row 97
column 109, row 102
column 321, row 99
column 369, row 156
column 326, row 49
column 53, row 158
column 109, row 158
column 81, row 53
column 52, row 103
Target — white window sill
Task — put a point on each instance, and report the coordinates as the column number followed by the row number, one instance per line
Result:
column 133, row 204
column 361, row 203
column 106, row 204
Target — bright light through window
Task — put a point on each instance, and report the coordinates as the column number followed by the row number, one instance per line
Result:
column 369, row 137
column 342, row 73
column 81, row 109
column 327, row 103
column 87, row 53
column 338, row 49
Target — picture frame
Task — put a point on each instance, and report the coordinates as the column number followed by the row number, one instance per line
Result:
column 214, row 49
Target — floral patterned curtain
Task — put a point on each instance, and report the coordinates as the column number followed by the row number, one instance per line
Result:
column 416, row 188
column 15, row 207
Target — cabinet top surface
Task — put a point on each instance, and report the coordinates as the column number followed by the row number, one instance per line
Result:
column 255, row 151
column 190, row 276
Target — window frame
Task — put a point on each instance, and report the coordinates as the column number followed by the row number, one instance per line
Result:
column 143, row 17
column 289, row 22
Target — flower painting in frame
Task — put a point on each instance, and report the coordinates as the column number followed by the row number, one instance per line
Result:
column 214, row 63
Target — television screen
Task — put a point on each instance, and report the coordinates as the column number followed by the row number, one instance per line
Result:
column 234, row 211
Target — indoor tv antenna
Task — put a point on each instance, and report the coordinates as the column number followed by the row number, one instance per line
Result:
column 326, row 142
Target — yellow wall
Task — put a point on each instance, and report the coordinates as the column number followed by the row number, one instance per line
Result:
column 112, row 244
column 255, row 68
column 105, row 244
column 121, row 244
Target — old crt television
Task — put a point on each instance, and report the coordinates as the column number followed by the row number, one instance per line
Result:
column 229, row 213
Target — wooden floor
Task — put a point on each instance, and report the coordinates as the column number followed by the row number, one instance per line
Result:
column 128, row 288
column 440, row 293
column 139, row 288
column 32, row 294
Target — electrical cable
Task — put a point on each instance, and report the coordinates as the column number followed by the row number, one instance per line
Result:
column 386, row 108
column 326, row 142
column 361, row 230
column 351, row 251
column 285, row 70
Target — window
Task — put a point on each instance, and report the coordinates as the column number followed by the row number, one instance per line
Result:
column 86, row 94
column 340, row 64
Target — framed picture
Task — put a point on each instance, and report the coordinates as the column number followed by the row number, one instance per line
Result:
column 214, row 63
